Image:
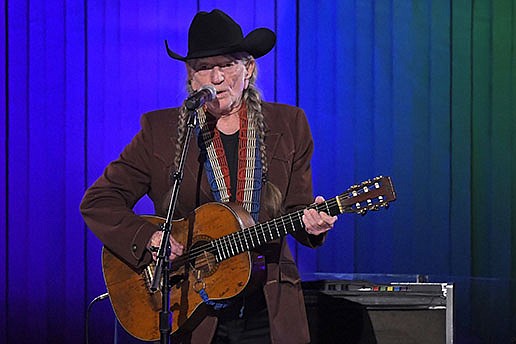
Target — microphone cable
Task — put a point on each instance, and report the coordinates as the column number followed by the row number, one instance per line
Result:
column 88, row 310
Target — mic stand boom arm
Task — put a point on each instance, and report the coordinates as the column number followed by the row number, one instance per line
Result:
column 163, row 267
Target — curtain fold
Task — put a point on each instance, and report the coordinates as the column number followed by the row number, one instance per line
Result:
column 422, row 91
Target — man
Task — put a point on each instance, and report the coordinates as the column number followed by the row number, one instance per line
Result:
column 247, row 151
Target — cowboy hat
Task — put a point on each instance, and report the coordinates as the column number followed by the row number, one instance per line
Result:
column 216, row 33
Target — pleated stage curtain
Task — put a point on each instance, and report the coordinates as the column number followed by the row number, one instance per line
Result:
column 422, row 91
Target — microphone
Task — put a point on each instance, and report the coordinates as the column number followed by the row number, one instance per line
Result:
column 204, row 94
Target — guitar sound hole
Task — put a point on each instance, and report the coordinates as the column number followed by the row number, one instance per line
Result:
column 204, row 261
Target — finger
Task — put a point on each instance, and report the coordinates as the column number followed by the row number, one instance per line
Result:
column 327, row 218
column 176, row 250
column 319, row 199
column 174, row 241
column 325, row 222
column 320, row 219
column 176, row 244
column 322, row 225
column 312, row 226
column 155, row 239
column 312, row 215
column 310, row 220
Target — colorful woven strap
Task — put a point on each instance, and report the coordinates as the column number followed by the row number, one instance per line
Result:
column 249, row 174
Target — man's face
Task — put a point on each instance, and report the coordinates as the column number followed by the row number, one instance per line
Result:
column 229, row 76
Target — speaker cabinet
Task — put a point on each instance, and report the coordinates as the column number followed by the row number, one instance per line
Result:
column 363, row 313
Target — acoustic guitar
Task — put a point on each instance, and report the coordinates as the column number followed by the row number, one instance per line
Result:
column 217, row 264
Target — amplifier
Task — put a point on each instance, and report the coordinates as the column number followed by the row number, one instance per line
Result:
column 344, row 311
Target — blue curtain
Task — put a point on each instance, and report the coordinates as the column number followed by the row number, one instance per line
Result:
column 422, row 91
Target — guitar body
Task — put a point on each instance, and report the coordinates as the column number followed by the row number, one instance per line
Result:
column 137, row 307
column 217, row 262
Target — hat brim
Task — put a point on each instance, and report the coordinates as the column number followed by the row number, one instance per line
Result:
column 257, row 43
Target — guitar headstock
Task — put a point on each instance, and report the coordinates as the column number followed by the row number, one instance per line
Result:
column 371, row 194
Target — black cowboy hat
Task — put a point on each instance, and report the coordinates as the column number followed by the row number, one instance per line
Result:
column 216, row 33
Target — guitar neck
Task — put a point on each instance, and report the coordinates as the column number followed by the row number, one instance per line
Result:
column 252, row 237
column 369, row 195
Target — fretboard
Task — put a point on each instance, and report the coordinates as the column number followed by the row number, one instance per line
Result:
column 249, row 238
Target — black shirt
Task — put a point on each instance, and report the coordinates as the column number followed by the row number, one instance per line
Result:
column 230, row 143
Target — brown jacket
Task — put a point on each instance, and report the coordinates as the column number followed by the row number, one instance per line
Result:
column 144, row 167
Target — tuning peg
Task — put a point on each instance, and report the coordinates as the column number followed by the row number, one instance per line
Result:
column 366, row 182
column 354, row 187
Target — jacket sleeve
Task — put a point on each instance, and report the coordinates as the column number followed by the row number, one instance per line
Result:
column 107, row 205
column 299, row 193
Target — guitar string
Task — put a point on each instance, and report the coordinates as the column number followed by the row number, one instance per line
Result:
column 240, row 237
column 249, row 233
column 235, row 238
column 258, row 229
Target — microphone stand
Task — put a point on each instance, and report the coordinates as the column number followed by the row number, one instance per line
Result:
column 163, row 266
